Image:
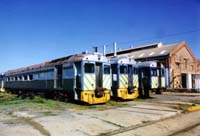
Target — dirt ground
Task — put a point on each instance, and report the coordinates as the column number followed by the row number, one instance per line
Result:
column 159, row 115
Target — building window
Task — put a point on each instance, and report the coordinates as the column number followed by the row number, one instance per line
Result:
column 192, row 67
column 177, row 65
column 185, row 63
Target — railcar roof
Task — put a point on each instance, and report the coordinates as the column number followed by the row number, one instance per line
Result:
column 147, row 64
column 62, row 60
column 122, row 59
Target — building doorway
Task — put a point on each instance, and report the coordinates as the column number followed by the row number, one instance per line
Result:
column 184, row 80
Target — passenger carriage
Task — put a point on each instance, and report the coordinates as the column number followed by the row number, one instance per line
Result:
column 84, row 77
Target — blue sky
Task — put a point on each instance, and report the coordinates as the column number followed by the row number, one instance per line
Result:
column 34, row 31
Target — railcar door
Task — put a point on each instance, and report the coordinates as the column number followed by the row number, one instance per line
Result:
column 130, row 75
column 58, row 76
column 123, row 78
column 115, row 75
column 144, row 82
column 135, row 77
column 106, row 76
column 184, row 80
column 99, row 74
column 2, row 82
column 78, row 75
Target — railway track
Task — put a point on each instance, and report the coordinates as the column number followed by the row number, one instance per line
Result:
column 186, row 130
column 169, row 126
column 133, row 127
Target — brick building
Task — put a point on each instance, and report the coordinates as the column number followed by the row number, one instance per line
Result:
column 181, row 67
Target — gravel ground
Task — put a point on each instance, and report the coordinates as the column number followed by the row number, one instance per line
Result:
column 131, row 118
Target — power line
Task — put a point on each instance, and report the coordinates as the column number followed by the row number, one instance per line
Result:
column 161, row 37
column 154, row 37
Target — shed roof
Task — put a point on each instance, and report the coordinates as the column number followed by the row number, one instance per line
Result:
column 154, row 52
column 149, row 51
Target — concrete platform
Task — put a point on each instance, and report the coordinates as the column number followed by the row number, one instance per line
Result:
column 95, row 122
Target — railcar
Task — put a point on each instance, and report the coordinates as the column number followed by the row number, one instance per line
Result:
column 151, row 78
column 2, row 82
column 124, row 78
column 84, row 77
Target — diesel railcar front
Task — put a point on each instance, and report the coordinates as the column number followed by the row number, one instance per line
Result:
column 83, row 77
column 151, row 78
column 124, row 78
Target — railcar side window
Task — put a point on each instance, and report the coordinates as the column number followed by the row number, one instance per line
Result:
column 89, row 68
column 25, row 78
column 123, row 70
column 135, row 71
column 68, row 72
column 106, row 69
column 30, row 77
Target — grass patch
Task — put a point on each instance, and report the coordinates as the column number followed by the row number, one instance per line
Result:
column 48, row 113
column 10, row 103
column 183, row 107
column 13, row 103
column 6, row 96
column 196, row 101
column 117, row 103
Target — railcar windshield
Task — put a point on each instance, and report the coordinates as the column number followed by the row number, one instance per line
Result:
column 89, row 68
column 106, row 69
column 154, row 72
column 123, row 69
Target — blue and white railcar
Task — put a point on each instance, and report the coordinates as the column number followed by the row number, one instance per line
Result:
column 151, row 78
column 124, row 84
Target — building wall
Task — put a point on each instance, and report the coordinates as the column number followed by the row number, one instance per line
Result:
column 198, row 67
column 183, row 66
